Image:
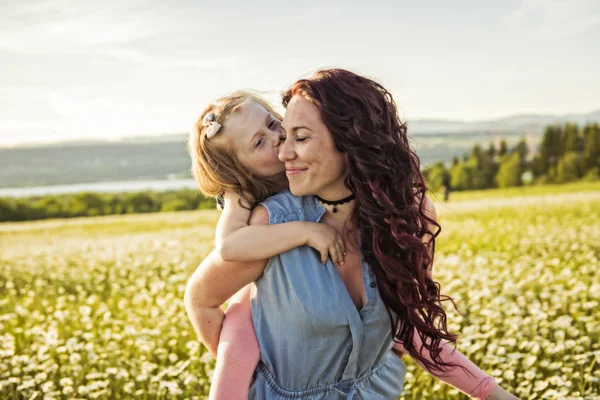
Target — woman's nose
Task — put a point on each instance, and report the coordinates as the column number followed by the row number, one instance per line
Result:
column 286, row 151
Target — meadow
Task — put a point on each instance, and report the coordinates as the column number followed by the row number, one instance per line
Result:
column 92, row 307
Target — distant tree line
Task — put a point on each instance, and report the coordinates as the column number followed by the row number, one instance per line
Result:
column 91, row 204
column 565, row 154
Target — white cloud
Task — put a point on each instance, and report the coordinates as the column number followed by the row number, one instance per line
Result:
column 49, row 27
column 73, row 35
column 20, row 9
column 554, row 19
column 137, row 56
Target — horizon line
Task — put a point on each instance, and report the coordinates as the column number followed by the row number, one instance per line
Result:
column 89, row 140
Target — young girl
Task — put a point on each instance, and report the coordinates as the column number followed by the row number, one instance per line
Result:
column 234, row 151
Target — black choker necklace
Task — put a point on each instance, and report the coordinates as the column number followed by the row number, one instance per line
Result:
column 335, row 203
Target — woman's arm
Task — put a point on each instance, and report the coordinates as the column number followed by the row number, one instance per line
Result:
column 213, row 283
column 206, row 290
column 206, row 321
column 216, row 280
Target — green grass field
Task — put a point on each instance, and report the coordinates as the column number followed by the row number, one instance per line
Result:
column 92, row 308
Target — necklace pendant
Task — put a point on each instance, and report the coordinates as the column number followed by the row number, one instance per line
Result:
column 335, row 204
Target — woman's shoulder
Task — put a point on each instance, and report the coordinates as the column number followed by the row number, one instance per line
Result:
column 284, row 206
column 282, row 203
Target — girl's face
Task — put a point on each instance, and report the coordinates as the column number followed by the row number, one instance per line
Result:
column 253, row 134
column 313, row 164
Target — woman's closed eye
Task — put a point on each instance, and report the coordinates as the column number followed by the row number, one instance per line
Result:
column 298, row 139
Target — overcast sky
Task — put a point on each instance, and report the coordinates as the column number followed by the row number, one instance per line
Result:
column 88, row 69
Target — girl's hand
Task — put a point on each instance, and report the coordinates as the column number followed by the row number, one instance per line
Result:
column 326, row 241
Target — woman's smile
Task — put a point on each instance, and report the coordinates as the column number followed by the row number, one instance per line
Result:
column 294, row 171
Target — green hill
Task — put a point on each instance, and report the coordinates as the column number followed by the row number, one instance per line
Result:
column 163, row 158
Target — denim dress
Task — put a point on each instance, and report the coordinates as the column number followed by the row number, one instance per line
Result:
column 314, row 343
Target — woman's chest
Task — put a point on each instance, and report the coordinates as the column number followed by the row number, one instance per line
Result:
column 300, row 292
column 353, row 277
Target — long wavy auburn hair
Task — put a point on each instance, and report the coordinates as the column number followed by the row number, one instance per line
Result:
column 390, row 191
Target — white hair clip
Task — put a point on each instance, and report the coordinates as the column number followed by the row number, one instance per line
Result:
column 213, row 126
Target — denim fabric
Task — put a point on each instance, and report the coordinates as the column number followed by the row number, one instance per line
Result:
column 314, row 343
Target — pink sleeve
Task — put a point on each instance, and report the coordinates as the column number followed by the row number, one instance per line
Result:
column 478, row 385
column 238, row 352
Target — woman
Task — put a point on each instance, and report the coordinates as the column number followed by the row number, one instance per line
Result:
column 346, row 152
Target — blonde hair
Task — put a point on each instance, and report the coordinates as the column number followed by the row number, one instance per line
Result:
column 215, row 167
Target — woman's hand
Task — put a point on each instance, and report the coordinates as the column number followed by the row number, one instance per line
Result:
column 326, row 241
